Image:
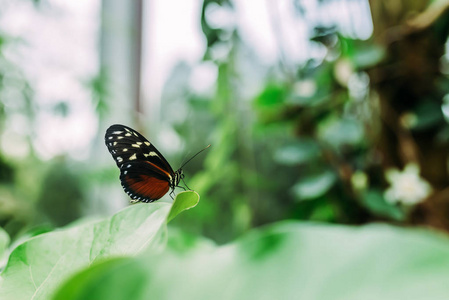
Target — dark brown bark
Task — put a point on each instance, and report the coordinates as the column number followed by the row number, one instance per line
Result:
column 404, row 81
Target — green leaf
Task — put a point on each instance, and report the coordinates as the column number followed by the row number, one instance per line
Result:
column 272, row 96
column 324, row 212
column 429, row 114
column 375, row 202
column 298, row 152
column 183, row 201
column 113, row 269
column 284, row 261
column 314, row 186
column 36, row 267
column 109, row 267
column 339, row 132
column 368, row 56
column 4, row 241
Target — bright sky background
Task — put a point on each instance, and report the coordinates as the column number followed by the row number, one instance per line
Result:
column 59, row 53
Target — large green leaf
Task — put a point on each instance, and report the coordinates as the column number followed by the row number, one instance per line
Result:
column 285, row 261
column 183, row 201
column 39, row 265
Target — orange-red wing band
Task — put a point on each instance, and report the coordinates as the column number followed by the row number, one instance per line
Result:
column 161, row 171
column 148, row 187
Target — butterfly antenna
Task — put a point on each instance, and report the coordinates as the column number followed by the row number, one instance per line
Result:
column 194, row 156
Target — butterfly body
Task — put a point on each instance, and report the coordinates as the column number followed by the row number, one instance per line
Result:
column 145, row 174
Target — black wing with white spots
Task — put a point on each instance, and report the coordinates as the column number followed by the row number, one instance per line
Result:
column 125, row 144
column 144, row 173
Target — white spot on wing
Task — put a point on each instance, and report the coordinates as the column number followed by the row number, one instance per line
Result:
column 128, row 134
column 125, row 149
column 133, row 157
column 152, row 153
column 135, row 145
column 117, row 132
column 147, row 143
column 119, row 159
column 119, row 137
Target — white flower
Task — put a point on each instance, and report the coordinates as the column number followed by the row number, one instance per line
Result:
column 407, row 187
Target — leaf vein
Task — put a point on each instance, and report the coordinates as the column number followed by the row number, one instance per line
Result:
column 46, row 278
column 32, row 278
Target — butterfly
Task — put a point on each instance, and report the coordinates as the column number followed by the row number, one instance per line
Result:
column 145, row 174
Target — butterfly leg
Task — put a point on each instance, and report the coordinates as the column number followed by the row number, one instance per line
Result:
column 185, row 185
column 172, row 193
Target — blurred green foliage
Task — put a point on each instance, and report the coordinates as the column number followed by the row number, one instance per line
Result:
column 69, row 188
column 320, row 139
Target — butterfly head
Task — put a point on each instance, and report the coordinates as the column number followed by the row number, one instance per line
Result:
column 179, row 175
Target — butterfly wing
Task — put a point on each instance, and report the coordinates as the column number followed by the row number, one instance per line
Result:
column 142, row 181
column 144, row 173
